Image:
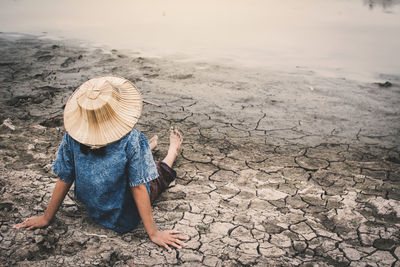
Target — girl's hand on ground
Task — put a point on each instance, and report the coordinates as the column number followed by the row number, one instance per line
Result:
column 168, row 238
column 33, row 222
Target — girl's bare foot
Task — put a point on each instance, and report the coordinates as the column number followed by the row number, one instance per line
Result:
column 153, row 142
column 175, row 143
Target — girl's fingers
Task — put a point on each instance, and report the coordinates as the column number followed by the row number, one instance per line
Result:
column 173, row 244
column 179, row 242
column 25, row 223
column 31, row 227
column 179, row 237
column 173, row 232
column 22, row 224
column 167, row 247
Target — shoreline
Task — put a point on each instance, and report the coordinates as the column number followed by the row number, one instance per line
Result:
column 318, row 68
column 277, row 168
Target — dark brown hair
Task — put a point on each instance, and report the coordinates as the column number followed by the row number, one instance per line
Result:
column 101, row 151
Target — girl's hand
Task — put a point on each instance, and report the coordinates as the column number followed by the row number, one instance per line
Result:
column 33, row 222
column 169, row 237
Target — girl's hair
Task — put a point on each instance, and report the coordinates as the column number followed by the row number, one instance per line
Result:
column 97, row 152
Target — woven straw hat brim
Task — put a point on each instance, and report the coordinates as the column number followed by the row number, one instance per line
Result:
column 102, row 110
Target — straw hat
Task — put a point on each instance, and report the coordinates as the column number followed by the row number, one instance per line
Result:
column 102, row 110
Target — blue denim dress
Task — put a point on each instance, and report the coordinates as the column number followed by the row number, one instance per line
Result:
column 102, row 183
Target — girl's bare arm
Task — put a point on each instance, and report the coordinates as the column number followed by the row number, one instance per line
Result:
column 161, row 238
column 60, row 190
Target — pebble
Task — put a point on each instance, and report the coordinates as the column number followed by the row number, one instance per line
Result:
column 39, row 239
column 106, row 256
column 4, row 228
column 385, row 84
column 384, row 244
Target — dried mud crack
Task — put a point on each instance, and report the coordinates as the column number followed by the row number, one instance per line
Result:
column 270, row 172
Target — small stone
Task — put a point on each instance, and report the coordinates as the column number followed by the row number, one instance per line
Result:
column 309, row 252
column 97, row 262
column 39, row 239
column 242, row 234
column 47, row 244
column 385, row 84
column 211, row 261
column 36, row 232
column 249, row 248
column 23, row 253
column 352, row 254
column 230, row 241
column 128, row 238
column 384, row 244
column 269, row 250
column 220, row 228
column 130, row 263
column 257, row 234
column 313, row 200
column 281, row 240
column 43, row 231
column 47, row 167
column 383, row 258
column 4, row 228
column 304, row 230
column 270, row 194
column 38, row 208
column 5, row 244
column 296, row 202
column 299, row 246
column 106, row 256
column 31, row 146
column 248, row 260
column 8, row 123
column 191, row 256
column 272, row 228
column 311, row 163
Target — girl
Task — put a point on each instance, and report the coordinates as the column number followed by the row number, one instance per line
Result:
column 111, row 163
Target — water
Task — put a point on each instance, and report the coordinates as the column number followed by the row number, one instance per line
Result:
column 356, row 39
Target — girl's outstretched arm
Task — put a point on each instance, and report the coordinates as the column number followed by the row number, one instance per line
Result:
column 161, row 238
column 60, row 190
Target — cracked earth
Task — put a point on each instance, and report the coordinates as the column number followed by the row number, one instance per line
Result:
column 276, row 168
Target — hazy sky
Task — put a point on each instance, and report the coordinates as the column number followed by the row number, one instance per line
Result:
column 343, row 37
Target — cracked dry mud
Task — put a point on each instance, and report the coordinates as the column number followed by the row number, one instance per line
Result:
column 271, row 172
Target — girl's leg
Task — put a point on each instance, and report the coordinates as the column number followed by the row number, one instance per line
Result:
column 165, row 171
column 153, row 142
column 175, row 142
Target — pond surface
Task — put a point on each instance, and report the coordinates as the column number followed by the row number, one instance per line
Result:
column 356, row 39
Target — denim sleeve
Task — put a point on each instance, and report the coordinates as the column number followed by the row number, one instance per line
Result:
column 63, row 166
column 141, row 165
